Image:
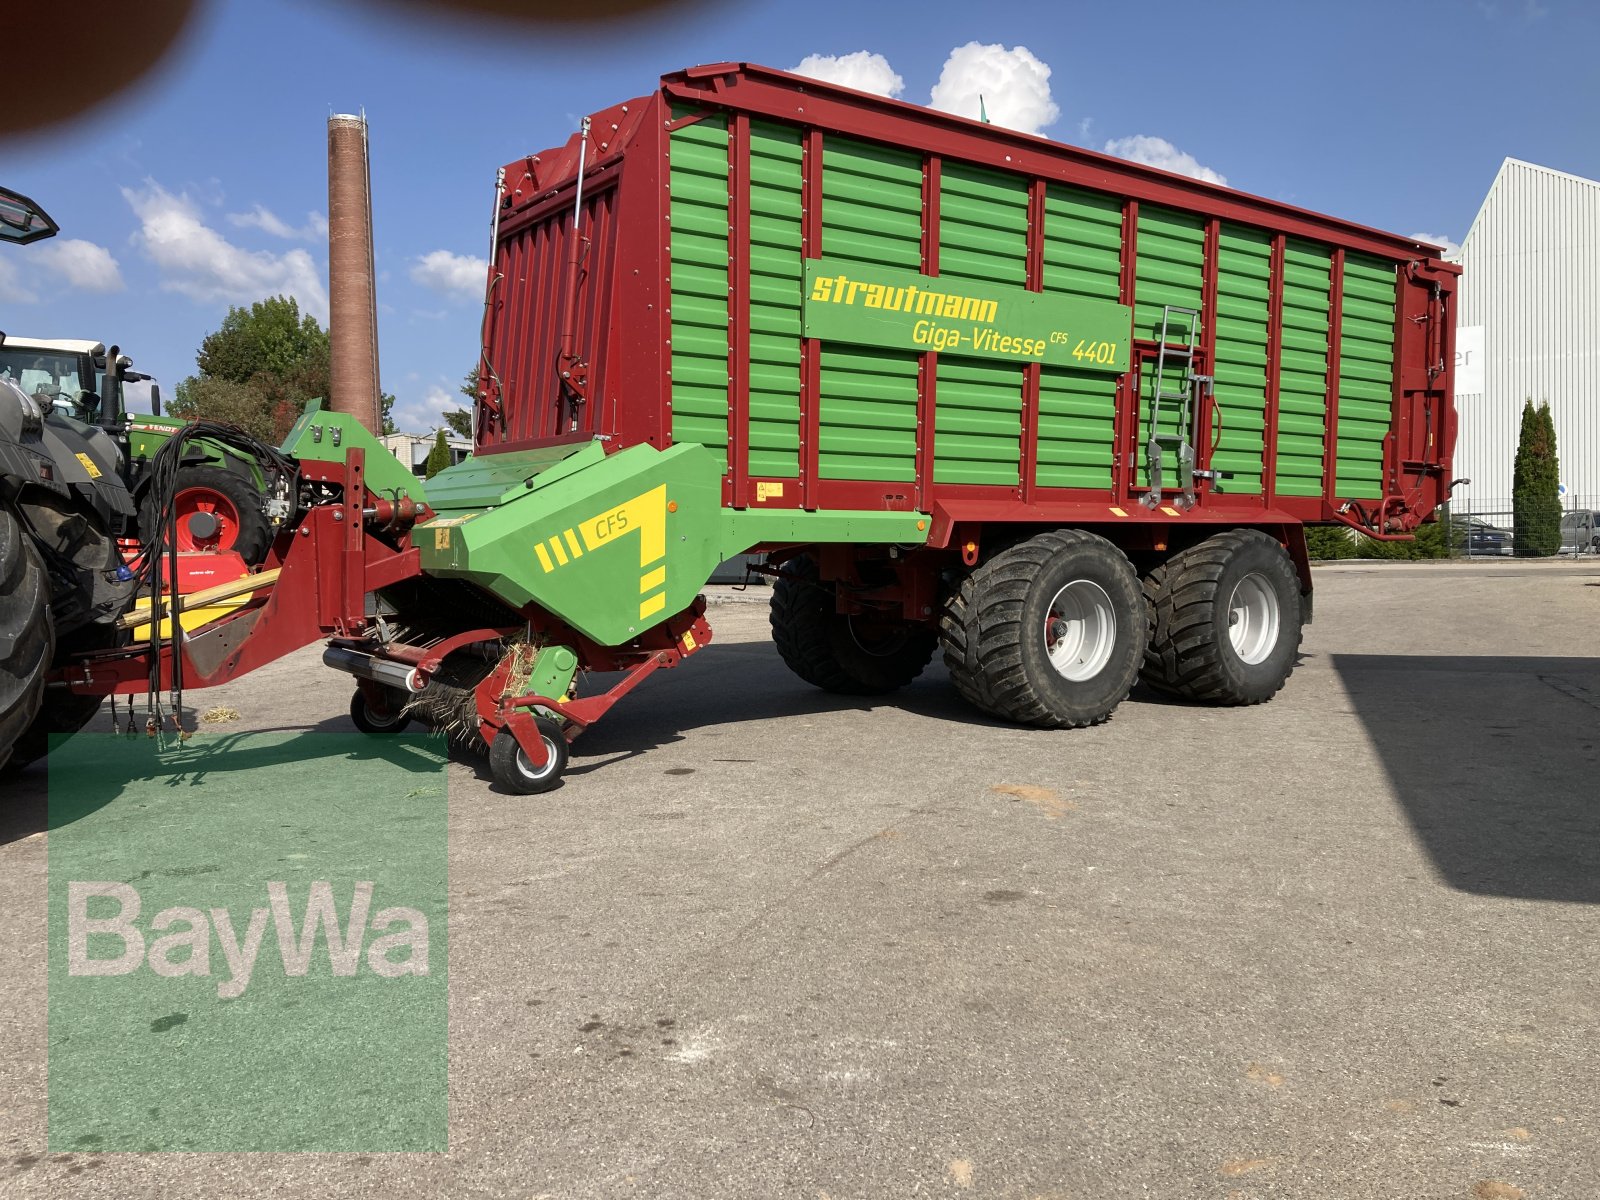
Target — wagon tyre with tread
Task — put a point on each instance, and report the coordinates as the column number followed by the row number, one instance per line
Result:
column 835, row 651
column 1225, row 620
column 510, row 766
column 1048, row 632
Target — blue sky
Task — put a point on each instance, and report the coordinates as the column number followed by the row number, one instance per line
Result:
column 207, row 185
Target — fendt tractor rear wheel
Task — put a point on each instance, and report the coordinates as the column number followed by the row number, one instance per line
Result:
column 1225, row 620
column 60, row 711
column 1049, row 632
column 841, row 652
column 217, row 510
column 27, row 638
column 513, row 771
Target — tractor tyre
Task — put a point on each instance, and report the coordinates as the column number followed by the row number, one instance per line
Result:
column 1048, row 632
column 840, row 652
column 64, row 712
column 1225, row 620
column 60, row 713
column 27, row 637
column 231, row 500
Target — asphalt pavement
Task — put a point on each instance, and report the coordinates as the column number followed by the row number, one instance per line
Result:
column 769, row 942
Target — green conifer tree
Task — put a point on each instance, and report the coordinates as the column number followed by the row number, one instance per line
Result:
column 438, row 457
column 1535, row 485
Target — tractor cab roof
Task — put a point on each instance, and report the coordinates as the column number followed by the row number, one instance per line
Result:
column 22, row 221
column 60, row 345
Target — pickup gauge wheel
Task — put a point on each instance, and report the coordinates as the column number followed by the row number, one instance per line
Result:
column 369, row 720
column 513, row 771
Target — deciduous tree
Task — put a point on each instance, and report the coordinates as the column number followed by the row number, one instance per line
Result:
column 258, row 370
column 459, row 420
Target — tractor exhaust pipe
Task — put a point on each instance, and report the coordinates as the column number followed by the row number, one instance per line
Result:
column 399, row 676
column 352, row 293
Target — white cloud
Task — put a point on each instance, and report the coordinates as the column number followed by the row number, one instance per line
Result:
column 13, row 288
column 1158, row 152
column 264, row 219
column 863, row 70
column 63, row 264
column 1014, row 84
column 453, row 274
column 80, row 264
column 425, row 413
column 1451, row 246
column 197, row 261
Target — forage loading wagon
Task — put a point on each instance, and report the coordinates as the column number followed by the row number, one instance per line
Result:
column 1062, row 414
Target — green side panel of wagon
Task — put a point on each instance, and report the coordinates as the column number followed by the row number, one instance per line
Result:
column 1244, row 309
column 1078, row 409
column 983, row 237
column 776, row 271
column 698, row 160
column 1303, row 369
column 1366, row 375
column 867, row 406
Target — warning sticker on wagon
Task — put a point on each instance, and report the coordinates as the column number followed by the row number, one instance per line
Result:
column 895, row 309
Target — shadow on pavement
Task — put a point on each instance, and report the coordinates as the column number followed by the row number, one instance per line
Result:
column 746, row 681
column 1495, row 762
column 28, row 808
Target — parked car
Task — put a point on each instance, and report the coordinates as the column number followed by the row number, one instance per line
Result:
column 1477, row 537
column 1580, row 532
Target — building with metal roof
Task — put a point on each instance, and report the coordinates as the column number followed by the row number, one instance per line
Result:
column 1529, row 328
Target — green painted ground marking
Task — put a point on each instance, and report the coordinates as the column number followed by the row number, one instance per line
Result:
column 320, row 1044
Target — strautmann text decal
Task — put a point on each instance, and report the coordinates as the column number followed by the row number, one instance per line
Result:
column 881, row 306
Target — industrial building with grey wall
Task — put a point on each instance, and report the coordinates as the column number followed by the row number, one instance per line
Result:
column 1529, row 328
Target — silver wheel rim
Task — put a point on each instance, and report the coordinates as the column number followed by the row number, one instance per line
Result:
column 1253, row 619
column 1080, row 630
column 527, row 768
